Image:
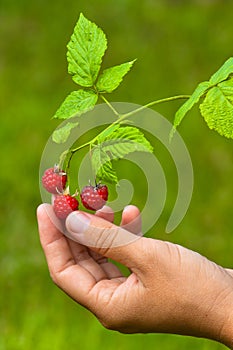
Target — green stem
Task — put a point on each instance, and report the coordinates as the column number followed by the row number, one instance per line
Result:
column 72, row 151
column 110, row 105
column 62, row 159
column 117, row 121
column 167, row 99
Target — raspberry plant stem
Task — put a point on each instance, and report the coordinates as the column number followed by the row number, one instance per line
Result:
column 110, row 106
column 167, row 99
column 121, row 117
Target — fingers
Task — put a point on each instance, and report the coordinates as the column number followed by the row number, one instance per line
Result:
column 111, row 270
column 105, row 238
column 72, row 278
column 81, row 253
column 106, row 213
column 77, row 281
column 131, row 220
column 51, row 238
column 83, row 258
column 62, row 253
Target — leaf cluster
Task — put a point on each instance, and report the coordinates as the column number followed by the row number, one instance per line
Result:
column 217, row 105
column 86, row 49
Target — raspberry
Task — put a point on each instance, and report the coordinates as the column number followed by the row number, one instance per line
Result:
column 64, row 204
column 94, row 198
column 54, row 180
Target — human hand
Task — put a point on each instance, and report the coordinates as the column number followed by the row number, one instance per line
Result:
column 170, row 289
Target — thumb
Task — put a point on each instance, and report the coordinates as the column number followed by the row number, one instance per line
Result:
column 104, row 237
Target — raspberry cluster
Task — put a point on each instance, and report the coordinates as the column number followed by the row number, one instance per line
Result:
column 92, row 197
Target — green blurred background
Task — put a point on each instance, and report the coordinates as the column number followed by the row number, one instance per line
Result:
column 178, row 44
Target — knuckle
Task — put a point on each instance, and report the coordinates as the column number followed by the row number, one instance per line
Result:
column 54, row 278
column 106, row 238
column 112, row 322
column 57, row 276
column 117, row 319
column 146, row 251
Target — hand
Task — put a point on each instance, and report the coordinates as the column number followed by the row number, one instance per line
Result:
column 170, row 289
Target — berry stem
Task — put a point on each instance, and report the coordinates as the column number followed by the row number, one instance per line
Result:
column 72, row 151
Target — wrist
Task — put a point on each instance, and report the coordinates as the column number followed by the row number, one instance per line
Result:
column 217, row 316
column 226, row 330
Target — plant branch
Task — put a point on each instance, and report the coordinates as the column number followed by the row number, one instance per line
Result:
column 167, row 99
column 117, row 121
column 110, row 106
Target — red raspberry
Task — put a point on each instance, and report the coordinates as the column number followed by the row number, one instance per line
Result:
column 54, row 180
column 64, row 204
column 94, row 198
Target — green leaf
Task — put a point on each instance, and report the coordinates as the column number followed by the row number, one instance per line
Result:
column 76, row 103
column 102, row 167
column 118, row 143
column 223, row 72
column 194, row 98
column 107, row 132
column 227, row 89
column 220, row 76
column 217, row 109
column 106, row 173
column 111, row 78
column 85, row 51
column 61, row 135
column 125, row 140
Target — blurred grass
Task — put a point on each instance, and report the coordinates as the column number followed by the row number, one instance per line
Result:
column 178, row 44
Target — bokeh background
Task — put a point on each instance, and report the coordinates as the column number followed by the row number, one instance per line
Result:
column 178, row 44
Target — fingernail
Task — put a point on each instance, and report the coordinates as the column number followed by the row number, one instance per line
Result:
column 77, row 222
column 127, row 207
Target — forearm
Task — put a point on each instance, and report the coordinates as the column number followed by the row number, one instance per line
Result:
column 214, row 309
column 225, row 333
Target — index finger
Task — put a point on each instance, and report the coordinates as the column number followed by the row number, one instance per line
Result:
column 70, row 277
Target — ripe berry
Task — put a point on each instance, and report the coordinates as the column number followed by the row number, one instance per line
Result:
column 94, row 198
column 54, row 180
column 64, row 204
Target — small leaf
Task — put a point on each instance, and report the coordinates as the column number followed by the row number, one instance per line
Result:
column 227, row 89
column 107, row 132
column 194, row 98
column 221, row 75
column 118, row 143
column 111, row 78
column 125, row 140
column 106, row 173
column 85, row 51
column 217, row 110
column 102, row 166
column 223, row 72
column 76, row 103
column 62, row 134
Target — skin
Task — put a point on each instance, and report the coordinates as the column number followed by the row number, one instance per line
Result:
column 170, row 289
